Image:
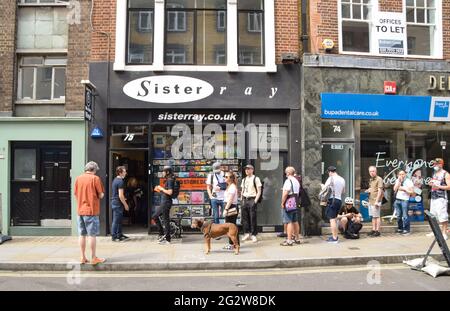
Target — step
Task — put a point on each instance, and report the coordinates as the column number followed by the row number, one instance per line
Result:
column 367, row 227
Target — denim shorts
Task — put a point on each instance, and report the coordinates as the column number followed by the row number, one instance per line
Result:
column 333, row 207
column 88, row 225
column 289, row 217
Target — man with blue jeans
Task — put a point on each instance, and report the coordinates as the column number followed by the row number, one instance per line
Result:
column 215, row 185
column 118, row 203
column 403, row 188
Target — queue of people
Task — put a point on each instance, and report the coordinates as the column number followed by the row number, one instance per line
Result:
column 223, row 192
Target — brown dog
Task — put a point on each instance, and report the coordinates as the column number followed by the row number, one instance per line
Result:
column 211, row 231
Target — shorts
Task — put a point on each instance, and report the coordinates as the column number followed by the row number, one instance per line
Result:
column 438, row 207
column 289, row 217
column 88, row 225
column 333, row 207
column 374, row 211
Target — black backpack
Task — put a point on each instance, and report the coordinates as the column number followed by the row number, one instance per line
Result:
column 353, row 230
column 176, row 188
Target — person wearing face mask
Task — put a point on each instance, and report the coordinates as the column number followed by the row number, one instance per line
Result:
column 440, row 184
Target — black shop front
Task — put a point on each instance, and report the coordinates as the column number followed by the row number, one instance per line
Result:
column 189, row 120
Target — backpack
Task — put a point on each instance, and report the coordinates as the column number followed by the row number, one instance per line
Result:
column 353, row 230
column 326, row 193
column 176, row 188
column 221, row 185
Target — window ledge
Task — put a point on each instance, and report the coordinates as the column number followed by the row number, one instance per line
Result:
column 43, row 4
column 266, row 68
column 40, row 102
column 393, row 57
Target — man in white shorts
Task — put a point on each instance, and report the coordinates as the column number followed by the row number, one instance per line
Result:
column 440, row 184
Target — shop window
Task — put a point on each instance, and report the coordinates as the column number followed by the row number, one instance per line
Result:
column 24, row 164
column 42, row 78
column 355, row 25
column 421, row 26
column 251, row 32
column 140, row 32
column 197, row 25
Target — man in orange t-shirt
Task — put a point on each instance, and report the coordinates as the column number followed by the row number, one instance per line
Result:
column 88, row 191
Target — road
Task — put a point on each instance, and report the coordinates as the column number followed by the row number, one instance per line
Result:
column 377, row 278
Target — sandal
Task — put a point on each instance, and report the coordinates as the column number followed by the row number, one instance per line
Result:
column 286, row 243
column 298, row 242
column 83, row 261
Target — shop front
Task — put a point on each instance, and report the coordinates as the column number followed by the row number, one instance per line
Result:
column 189, row 120
column 391, row 119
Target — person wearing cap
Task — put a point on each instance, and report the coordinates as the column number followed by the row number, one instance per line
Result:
column 348, row 213
column 440, row 184
column 376, row 193
column 337, row 184
column 216, row 185
column 251, row 192
column 403, row 189
column 166, row 204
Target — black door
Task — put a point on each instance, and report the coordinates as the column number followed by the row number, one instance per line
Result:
column 24, row 185
column 55, row 182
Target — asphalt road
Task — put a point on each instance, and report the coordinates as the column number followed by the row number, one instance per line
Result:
column 376, row 278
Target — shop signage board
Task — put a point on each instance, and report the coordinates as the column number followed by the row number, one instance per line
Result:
column 389, row 31
column 385, row 107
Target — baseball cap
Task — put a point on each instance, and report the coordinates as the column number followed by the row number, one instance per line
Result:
column 331, row 168
column 250, row 166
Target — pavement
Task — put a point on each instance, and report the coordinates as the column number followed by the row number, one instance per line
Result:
column 142, row 253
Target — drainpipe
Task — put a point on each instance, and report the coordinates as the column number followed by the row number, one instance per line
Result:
column 304, row 37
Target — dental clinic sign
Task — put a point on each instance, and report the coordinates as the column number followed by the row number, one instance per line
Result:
column 389, row 32
column 168, row 89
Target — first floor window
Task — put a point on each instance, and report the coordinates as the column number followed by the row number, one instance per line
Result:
column 42, row 78
column 421, row 26
column 251, row 32
column 355, row 36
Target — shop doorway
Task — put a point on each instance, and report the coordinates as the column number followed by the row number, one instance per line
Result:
column 341, row 156
column 135, row 220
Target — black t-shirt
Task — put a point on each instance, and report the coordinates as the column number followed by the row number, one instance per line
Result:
column 117, row 184
column 344, row 210
column 169, row 184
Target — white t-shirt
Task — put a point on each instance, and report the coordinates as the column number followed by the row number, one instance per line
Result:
column 288, row 186
column 401, row 194
column 215, row 181
column 231, row 192
column 248, row 186
column 338, row 186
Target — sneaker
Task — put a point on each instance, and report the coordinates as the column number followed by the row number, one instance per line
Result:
column 405, row 232
column 445, row 236
column 96, row 261
column 332, row 240
column 281, row 235
column 376, row 234
column 287, row 243
column 246, row 237
column 228, row 247
column 160, row 238
column 297, row 242
column 371, row 233
column 430, row 235
column 399, row 231
column 254, row 239
column 163, row 242
column 115, row 239
column 124, row 237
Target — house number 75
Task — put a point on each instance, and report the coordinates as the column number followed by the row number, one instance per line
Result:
column 129, row 137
